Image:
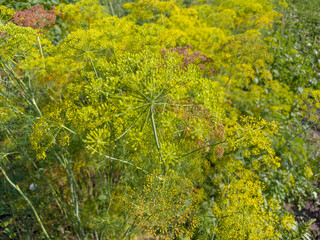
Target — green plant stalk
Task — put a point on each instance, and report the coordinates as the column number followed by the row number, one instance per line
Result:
column 111, row 7
column 60, row 204
column 95, row 71
column 132, row 125
column 41, row 51
column 28, row 201
column 12, row 212
column 116, row 159
column 131, row 228
column 24, row 88
column 13, row 107
column 40, row 47
column 66, row 165
column 20, row 83
column 36, row 106
column 75, row 199
column 198, row 149
column 155, row 131
column 38, row 110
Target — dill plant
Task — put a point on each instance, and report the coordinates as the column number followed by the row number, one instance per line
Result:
column 131, row 134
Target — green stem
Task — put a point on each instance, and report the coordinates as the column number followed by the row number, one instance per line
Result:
column 73, row 186
column 116, row 159
column 28, row 201
column 198, row 149
column 111, row 7
column 155, row 131
column 95, row 71
column 11, row 209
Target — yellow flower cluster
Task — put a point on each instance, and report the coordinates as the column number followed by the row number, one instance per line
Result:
column 242, row 213
column 252, row 136
column 310, row 104
column 5, row 13
column 82, row 14
column 48, row 131
column 165, row 206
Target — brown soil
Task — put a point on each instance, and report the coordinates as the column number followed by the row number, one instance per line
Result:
column 311, row 211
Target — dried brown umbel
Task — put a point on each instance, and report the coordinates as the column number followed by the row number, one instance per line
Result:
column 189, row 111
column 2, row 35
column 220, row 151
column 191, row 58
column 36, row 17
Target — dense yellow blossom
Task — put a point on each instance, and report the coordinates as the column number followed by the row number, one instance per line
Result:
column 242, row 213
